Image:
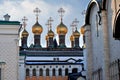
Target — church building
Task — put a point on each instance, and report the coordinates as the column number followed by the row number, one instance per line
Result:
column 102, row 40
column 9, row 49
column 55, row 61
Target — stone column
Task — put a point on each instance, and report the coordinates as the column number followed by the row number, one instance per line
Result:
column 44, row 72
column 56, row 71
column 31, row 74
column 63, row 72
column 88, row 51
column 70, row 70
column 37, row 73
column 50, row 72
column 106, row 45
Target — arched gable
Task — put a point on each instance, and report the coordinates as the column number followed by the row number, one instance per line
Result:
column 116, row 27
column 91, row 4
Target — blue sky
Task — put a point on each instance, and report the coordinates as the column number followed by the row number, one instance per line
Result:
column 19, row 8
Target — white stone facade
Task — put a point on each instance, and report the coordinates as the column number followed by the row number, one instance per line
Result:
column 101, row 47
column 9, row 50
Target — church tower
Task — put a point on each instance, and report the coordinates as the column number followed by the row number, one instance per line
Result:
column 61, row 30
column 24, row 34
column 76, row 35
column 50, row 34
column 37, row 30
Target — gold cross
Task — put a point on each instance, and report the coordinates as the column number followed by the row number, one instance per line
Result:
column 37, row 11
column 76, row 21
column 48, row 24
column 61, row 11
column 24, row 21
column 73, row 26
column 50, row 21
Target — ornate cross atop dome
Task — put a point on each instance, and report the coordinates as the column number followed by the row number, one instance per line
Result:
column 61, row 11
column 50, row 21
column 37, row 11
column 24, row 21
column 73, row 27
column 76, row 22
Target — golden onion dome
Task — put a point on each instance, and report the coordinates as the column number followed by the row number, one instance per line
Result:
column 72, row 38
column 50, row 33
column 25, row 33
column 37, row 28
column 82, row 30
column 47, row 37
column 62, row 29
column 76, row 34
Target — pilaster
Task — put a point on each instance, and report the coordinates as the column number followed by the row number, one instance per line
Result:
column 89, row 51
column 106, row 45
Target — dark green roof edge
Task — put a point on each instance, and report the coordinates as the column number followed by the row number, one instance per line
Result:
column 9, row 22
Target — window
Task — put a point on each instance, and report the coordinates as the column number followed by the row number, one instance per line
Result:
column 66, row 72
column 74, row 70
column 116, row 30
column 60, row 72
column 0, row 73
column 34, row 72
column 41, row 72
column 47, row 72
column 53, row 71
column 27, row 72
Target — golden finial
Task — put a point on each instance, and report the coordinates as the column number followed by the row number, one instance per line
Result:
column 24, row 21
column 37, row 11
column 61, row 11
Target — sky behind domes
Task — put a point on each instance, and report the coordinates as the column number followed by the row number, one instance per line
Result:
column 49, row 8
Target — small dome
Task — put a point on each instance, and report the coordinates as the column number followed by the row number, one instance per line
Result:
column 72, row 38
column 82, row 30
column 50, row 33
column 37, row 28
column 47, row 37
column 25, row 33
column 62, row 29
column 76, row 34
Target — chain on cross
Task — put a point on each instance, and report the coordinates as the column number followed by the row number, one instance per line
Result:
column 24, row 21
column 61, row 11
column 37, row 11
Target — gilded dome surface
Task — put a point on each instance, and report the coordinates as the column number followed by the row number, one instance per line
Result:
column 37, row 28
column 62, row 29
column 47, row 37
column 82, row 30
column 25, row 33
column 50, row 33
column 72, row 38
column 76, row 33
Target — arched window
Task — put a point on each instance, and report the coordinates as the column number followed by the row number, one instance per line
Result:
column 47, row 72
column 27, row 72
column 41, row 72
column 60, row 72
column 116, row 30
column 74, row 70
column 66, row 72
column 53, row 72
column 34, row 72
